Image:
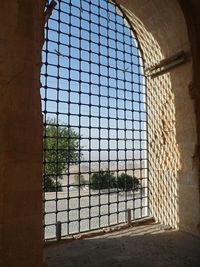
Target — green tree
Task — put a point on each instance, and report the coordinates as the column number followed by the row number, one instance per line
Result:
column 128, row 182
column 102, row 180
column 61, row 149
column 106, row 179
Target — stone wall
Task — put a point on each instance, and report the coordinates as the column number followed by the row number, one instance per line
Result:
column 173, row 176
column 21, row 231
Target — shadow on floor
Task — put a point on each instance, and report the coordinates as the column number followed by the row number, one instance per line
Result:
column 143, row 246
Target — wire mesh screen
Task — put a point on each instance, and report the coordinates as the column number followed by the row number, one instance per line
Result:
column 95, row 119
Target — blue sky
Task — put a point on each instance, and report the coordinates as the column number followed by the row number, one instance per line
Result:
column 99, row 69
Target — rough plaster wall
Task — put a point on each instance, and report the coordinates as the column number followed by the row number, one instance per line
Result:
column 21, row 38
column 173, row 178
column 191, row 11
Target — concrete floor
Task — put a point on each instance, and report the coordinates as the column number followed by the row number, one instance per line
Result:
column 142, row 246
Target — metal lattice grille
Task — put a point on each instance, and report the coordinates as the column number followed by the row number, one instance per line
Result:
column 95, row 119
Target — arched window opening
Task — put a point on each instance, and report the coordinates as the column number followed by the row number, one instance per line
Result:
column 95, row 119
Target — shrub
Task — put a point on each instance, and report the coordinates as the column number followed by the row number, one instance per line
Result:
column 107, row 180
column 103, row 180
column 128, row 182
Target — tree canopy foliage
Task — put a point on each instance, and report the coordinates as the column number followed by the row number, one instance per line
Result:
column 61, row 149
column 102, row 180
column 106, row 179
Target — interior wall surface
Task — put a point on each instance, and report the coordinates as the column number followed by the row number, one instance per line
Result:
column 172, row 127
column 21, row 38
column 191, row 11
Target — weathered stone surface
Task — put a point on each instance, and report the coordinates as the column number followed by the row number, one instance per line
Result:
column 21, row 231
column 145, row 246
column 162, row 31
